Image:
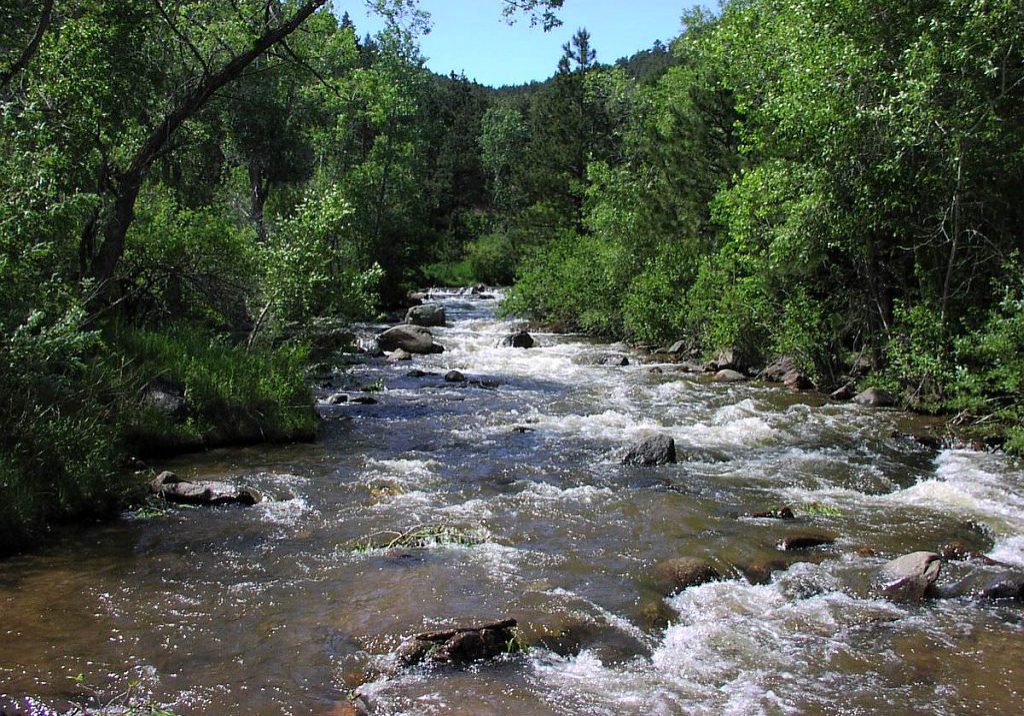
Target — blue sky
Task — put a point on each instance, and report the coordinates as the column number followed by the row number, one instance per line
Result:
column 471, row 35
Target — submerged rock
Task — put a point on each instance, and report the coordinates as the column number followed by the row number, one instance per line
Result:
column 875, row 398
column 909, row 578
column 399, row 355
column 779, row 513
column 454, row 376
column 428, row 315
column 1005, row 586
column 412, row 339
column 174, row 489
column 675, row 575
column 519, row 339
column 654, row 450
column 459, row 646
column 792, row 543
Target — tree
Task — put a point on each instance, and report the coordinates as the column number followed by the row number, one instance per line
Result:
column 577, row 54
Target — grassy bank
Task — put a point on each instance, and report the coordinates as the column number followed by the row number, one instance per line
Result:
column 79, row 406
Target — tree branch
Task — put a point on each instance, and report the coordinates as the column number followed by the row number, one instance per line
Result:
column 26, row 55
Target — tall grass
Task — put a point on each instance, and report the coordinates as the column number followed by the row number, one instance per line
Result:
column 233, row 396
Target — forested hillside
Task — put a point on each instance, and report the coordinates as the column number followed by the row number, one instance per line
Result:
column 191, row 189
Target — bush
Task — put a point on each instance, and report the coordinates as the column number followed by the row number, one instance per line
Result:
column 492, row 259
column 574, row 280
column 59, row 425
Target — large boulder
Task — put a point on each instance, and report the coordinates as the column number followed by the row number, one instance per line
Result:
column 411, row 339
column 428, row 315
column 729, row 376
column 875, row 398
column 910, row 577
column 778, row 369
column 519, row 339
column 174, row 489
column 459, row 646
column 675, row 575
column 653, row 450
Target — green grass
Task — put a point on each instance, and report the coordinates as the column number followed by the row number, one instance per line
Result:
column 234, row 396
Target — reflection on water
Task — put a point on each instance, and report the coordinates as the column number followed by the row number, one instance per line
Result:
column 279, row 609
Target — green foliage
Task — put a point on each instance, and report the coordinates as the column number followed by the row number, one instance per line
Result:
column 492, row 259
column 58, row 424
column 313, row 268
column 233, row 395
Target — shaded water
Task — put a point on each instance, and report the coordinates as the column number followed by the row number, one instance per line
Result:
column 278, row 609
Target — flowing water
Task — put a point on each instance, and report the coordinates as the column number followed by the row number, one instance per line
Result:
column 282, row 609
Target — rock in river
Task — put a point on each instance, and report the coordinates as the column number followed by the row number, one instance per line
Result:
column 454, row 376
column 875, row 398
column 654, row 450
column 459, row 646
column 728, row 375
column 675, row 575
column 173, row 489
column 909, row 578
column 430, row 314
column 792, row 543
column 519, row 339
column 411, row 339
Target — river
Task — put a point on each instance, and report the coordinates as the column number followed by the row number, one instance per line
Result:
column 285, row 607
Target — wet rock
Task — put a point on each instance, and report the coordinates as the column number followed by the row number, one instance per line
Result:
column 363, row 400
column 795, row 380
column 779, row 513
column 675, row 575
column 337, row 399
column 960, row 552
column 728, row 375
column 485, row 383
column 459, row 646
column 730, row 359
column 174, row 489
column 417, row 373
column 760, row 571
column 846, row 392
column 522, row 429
column 1006, row 586
column 370, row 347
column 676, row 349
column 910, row 577
column 411, row 339
column 654, row 450
column 875, row 398
column 778, row 369
column 613, row 359
column 167, row 398
column 454, row 376
column 608, row 643
column 428, row 315
column 793, row 543
column 519, row 339
column 399, row 355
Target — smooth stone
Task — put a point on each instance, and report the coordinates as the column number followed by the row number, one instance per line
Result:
column 653, row 450
column 908, row 578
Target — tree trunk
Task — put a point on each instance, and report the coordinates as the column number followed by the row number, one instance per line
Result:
column 115, row 224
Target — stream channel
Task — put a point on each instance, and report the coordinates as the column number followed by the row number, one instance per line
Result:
column 281, row 609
